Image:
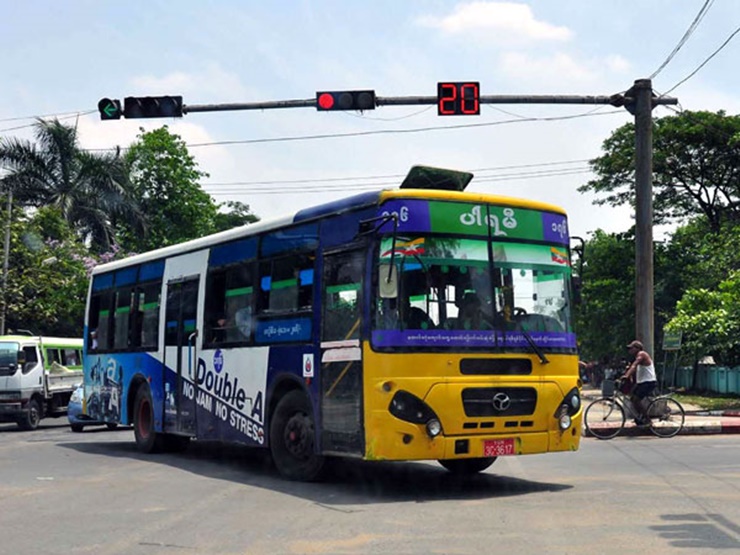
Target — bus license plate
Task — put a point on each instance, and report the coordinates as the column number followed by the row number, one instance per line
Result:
column 498, row 447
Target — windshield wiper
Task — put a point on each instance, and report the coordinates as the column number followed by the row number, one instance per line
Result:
column 532, row 345
column 535, row 347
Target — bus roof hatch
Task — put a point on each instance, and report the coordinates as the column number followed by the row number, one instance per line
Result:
column 427, row 177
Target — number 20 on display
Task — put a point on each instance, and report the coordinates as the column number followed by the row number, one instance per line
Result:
column 458, row 99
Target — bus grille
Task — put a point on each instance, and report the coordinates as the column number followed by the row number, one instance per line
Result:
column 499, row 401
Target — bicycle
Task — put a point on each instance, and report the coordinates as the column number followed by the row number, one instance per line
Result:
column 605, row 417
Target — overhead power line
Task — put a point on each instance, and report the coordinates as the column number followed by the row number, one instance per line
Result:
column 343, row 187
column 712, row 55
column 346, row 179
column 694, row 24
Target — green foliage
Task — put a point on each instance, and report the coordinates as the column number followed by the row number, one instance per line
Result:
column 238, row 214
column 605, row 317
column 708, row 401
column 47, row 277
column 89, row 190
column 696, row 165
column 710, row 322
column 165, row 183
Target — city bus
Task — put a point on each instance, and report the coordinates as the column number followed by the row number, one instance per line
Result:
column 346, row 330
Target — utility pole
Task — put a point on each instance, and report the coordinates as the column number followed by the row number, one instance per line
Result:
column 644, row 285
column 6, row 263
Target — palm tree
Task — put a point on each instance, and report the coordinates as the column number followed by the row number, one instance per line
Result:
column 90, row 190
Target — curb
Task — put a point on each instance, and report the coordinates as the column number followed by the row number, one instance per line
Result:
column 708, row 427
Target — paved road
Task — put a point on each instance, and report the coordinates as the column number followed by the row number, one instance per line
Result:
column 62, row 493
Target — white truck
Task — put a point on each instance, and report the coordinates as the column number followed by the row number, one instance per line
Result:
column 37, row 377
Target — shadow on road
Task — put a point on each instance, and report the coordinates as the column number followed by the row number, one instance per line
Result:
column 347, row 481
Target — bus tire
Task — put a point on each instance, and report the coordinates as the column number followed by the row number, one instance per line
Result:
column 147, row 439
column 292, row 434
column 111, row 425
column 466, row 467
column 77, row 428
column 30, row 420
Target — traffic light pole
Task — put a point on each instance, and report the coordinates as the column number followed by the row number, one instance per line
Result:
column 613, row 100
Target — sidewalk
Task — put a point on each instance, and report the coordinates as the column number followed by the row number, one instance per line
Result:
column 698, row 421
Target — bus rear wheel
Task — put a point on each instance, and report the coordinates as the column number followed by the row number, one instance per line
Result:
column 292, row 433
column 466, row 467
column 147, row 439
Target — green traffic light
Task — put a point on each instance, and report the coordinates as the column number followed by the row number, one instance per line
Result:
column 109, row 109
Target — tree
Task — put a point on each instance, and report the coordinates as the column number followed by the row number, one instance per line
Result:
column 238, row 214
column 710, row 321
column 48, row 278
column 165, row 179
column 89, row 189
column 696, row 165
column 605, row 317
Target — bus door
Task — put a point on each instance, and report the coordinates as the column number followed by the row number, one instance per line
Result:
column 341, row 352
column 180, row 348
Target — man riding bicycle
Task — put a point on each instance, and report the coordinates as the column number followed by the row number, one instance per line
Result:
column 643, row 369
column 646, row 381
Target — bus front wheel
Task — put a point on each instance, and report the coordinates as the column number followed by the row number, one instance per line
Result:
column 292, row 433
column 147, row 439
column 467, row 466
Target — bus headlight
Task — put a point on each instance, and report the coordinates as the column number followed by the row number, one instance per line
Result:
column 408, row 407
column 434, row 428
column 568, row 407
column 565, row 422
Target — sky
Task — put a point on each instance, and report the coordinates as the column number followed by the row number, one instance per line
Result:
column 60, row 58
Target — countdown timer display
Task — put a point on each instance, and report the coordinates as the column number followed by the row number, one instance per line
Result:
column 458, row 98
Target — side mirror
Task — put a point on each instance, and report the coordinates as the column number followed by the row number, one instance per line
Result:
column 577, row 287
column 387, row 281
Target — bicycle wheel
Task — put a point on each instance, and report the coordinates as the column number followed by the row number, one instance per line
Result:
column 604, row 418
column 666, row 417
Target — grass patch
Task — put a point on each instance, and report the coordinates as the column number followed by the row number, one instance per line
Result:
column 709, row 400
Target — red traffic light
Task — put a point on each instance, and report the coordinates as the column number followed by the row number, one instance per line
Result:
column 325, row 101
column 345, row 100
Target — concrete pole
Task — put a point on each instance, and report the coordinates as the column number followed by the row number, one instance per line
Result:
column 6, row 260
column 644, row 296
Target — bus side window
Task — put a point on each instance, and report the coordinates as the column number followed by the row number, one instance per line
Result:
column 146, row 321
column 122, row 318
column 215, row 307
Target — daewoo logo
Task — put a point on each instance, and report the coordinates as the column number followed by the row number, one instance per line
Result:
column 476, row 218
column 501, row 402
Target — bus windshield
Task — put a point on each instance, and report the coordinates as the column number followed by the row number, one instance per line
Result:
column 472, row 293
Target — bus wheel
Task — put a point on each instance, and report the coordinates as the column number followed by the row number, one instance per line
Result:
column 292, row 439
column 77, row 428
column 467, row 466
column 147, row 440
column 31, row 419
column 111, row 425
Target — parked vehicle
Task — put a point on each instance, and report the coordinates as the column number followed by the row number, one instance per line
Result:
column 37, row 377
column 77, row 412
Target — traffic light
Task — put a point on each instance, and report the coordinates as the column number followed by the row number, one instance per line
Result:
column 109, row 108
column 152, row 107
column 345, row 100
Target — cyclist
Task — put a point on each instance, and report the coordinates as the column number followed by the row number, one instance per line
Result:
column 643, row 369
